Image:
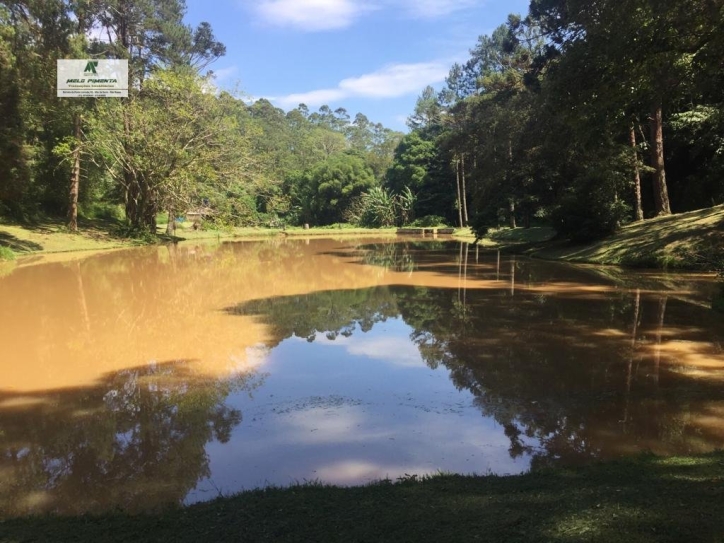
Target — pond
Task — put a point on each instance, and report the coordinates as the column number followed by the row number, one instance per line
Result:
column 141, row 378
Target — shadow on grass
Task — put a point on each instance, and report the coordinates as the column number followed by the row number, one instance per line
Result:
column 640, row 499
column 523, row 235
column 682, row 241
column 18, row 245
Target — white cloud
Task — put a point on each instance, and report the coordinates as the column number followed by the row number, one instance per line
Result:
column 224, row 74
column 311, row 15
column 311, row 98
column 321, row 15
column 396, row 80
column 430, row 9
column 389, row 82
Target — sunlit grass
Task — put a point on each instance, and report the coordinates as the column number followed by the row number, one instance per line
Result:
column 684, row 241
column 6, row 253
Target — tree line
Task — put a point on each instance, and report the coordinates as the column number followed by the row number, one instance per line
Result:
column 177, row 142
column 584, row 113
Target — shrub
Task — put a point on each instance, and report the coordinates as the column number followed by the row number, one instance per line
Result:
column 590, row 211
column 429, row 221
column 101, row 211
column 377, row 208
column 6, row 254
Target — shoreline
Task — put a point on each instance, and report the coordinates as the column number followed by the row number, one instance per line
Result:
column 636, row 499
column 689, row 241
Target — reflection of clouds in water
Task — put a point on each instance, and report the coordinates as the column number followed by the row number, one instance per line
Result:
column 346, row 441
column 319, row 425
column 396, row 350
column 350, row 472
column 255, row 356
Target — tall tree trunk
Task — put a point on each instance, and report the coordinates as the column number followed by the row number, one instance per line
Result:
column 637, row 174
column 464, row 190
column 171, row 226
column 457, row 177
column 661, row 193
column 75, row 177
column 130, row 182
column 511, row 204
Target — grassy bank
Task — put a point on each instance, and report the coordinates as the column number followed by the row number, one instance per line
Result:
column 684, row 241
column 634, row 500
column 520, row 238
column 53, row 237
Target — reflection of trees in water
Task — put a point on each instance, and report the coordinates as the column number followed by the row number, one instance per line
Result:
column 568, row 377
column 402, row 256
column 334, row 313
column 136, row 440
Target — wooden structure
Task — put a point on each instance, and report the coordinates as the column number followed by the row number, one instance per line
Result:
column 425, row 231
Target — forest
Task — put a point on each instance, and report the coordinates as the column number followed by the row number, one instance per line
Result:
column 177, row 143
column 584, row 115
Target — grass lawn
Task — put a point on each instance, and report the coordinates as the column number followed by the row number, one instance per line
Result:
column 684, row 241
column 185, row 231
column 634, row 500
column 53, row 237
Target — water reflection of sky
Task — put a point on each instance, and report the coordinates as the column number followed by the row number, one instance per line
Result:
column 352, row 410
column 145, row 378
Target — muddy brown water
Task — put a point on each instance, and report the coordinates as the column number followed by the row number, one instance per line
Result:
column 141, row 378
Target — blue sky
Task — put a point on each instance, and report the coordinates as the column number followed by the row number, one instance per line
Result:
column 369, row 56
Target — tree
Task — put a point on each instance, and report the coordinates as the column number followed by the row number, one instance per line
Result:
column 427, row 110
column 182, row 141
column 640, row 54
column 330, row 187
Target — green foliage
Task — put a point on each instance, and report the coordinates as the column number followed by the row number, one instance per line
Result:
column 413, row 157
column 330, row 187
column 588, row 212
column 572, row 88
column 174, row 143
column 429, row 221
column 379, row 209
column 101, row 210
column 6, row 254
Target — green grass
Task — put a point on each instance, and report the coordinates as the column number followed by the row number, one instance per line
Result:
column 684, row 241
column 51, row 236
column 185, row 231
column 640, row 499
column 6, row 253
